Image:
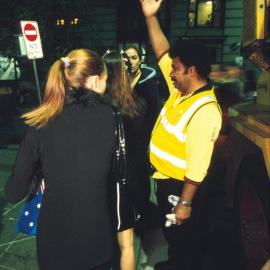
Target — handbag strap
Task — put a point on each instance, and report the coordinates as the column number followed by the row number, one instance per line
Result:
column 119, row 159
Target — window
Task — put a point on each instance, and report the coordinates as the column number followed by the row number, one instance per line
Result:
column 205, row 13
column 73, row 21
column 66, row 33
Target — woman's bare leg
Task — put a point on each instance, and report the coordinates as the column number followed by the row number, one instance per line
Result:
column 127, row 257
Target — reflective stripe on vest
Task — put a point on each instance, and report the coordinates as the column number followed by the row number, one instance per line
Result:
column 177, row 130
column 178, row 162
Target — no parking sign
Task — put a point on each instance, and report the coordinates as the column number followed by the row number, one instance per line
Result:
column 32, row 39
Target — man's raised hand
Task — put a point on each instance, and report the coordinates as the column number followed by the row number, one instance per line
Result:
column 150, row 7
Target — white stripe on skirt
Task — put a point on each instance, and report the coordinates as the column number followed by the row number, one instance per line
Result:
column 118, row 206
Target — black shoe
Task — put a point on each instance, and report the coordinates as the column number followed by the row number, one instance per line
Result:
column 164, row 265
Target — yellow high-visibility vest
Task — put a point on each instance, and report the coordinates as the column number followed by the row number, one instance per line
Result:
column 168, row 141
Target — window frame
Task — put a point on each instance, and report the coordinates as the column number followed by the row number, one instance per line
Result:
column 214, row 24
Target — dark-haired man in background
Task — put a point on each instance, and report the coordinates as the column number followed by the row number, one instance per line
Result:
column 182, row 141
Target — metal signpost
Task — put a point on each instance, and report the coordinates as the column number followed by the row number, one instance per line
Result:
column 33, row 46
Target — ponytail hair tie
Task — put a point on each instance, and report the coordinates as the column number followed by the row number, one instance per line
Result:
column 66, row 61
column 108, row 51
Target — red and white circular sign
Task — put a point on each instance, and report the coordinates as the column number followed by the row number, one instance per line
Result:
column 30, row 32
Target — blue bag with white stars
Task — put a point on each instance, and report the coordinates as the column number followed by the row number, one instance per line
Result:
column 27, row 221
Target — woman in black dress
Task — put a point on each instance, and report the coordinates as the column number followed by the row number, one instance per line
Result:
column 119, row 95
column 71, row 134
column 139, row 108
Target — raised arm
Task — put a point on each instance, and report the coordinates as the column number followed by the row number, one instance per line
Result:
column 158, row 40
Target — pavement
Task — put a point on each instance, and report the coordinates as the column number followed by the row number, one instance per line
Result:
column 17, row 251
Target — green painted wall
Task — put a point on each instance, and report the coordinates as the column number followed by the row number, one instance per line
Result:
column 98, row 27
column 233, row 28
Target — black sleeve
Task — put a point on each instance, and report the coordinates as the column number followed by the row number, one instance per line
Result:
column 18, row 184
column 154, row 99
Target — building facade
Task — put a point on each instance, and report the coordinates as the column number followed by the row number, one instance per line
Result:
column 107, row 24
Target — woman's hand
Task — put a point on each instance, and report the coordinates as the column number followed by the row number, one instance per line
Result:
column 150, row 7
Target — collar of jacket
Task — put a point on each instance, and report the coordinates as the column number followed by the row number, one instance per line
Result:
column 147, row 73
column 206, row 87
column 83, row 96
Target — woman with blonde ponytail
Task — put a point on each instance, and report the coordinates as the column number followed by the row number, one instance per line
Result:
column 71, row 136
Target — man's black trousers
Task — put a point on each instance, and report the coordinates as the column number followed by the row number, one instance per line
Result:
column 187, row 242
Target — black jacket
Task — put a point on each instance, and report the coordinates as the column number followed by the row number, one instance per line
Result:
column 147, row 99
column 75, row 150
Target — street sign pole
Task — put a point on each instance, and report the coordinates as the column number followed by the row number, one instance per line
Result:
column 37, row 80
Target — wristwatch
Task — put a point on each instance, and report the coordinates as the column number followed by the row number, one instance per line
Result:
column 185, row 203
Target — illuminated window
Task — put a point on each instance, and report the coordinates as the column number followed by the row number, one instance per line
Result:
column 205, row 13
column 74, row 21
column 60, row 22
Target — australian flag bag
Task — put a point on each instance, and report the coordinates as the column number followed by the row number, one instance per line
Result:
column 27, row 221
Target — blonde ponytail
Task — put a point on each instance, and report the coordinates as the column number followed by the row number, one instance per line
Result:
column 53, row 100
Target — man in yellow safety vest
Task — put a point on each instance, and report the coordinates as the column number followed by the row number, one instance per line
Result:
column 182, row 142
